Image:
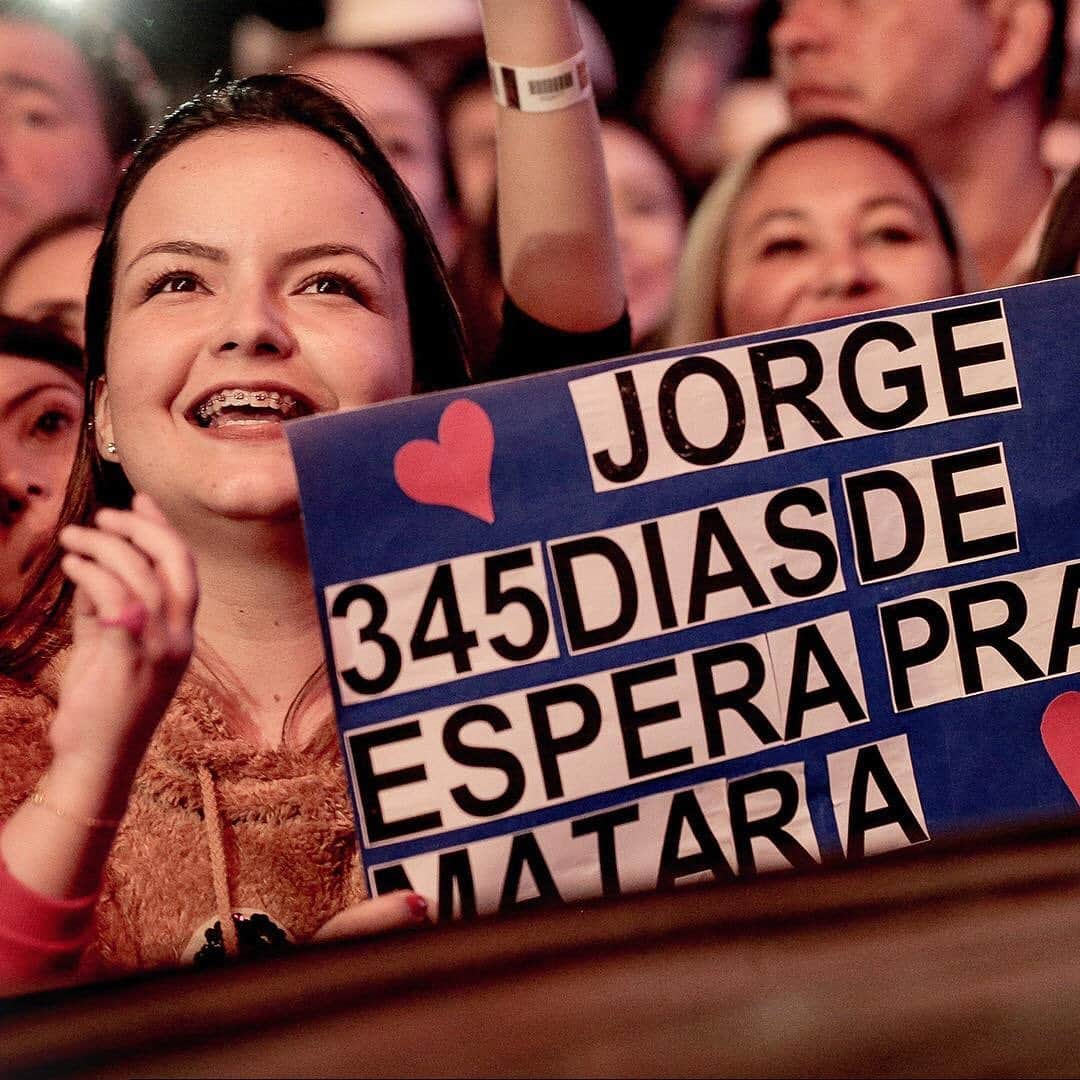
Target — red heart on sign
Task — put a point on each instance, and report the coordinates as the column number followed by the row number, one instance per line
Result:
column 1061, row 736
column 456, row 470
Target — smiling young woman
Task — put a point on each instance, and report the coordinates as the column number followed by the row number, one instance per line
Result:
column 261, row 260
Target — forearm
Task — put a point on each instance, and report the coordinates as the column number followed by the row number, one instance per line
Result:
column 556, row 234
column 58, row 846
column 52, row 855
column 41, row 938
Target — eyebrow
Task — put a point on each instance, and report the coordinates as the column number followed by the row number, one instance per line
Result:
column 196, row 250
column 775, row 215
column 31, row 392
column 56, row 308
column 179, row 247
column 15, row 80
column 325, row 251
column 865, row 207
column 888, row 200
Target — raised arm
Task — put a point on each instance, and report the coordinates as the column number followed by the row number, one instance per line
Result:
column 556, row 233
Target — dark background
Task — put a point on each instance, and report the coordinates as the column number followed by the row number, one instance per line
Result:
column 188, row 40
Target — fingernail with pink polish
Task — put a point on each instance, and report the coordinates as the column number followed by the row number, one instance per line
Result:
column 418, row 906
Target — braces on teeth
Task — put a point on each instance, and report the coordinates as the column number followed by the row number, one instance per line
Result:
column 284, row 404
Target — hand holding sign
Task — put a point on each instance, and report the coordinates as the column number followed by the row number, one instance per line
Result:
column 456, row 470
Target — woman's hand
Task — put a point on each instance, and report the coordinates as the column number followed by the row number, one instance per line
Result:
column 133, row 630
column 389, row 912
column 134, row 610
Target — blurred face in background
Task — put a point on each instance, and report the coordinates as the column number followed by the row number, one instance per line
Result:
column 909, row 67
column 403, row 118
column 40, row 410
column 830, row 227
column 705, row 44
column 749, row 112
column 50, row 281
column 470, row 131
column 54, row 155
column 650, row 221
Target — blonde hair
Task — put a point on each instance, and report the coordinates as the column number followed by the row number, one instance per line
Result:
column 695, row 313
column 696, row 310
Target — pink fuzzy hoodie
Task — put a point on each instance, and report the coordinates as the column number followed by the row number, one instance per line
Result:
column 215, row 823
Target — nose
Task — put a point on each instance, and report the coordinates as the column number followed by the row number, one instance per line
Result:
column 801, row 27
column 253, row 324
column 844, row 272
column 18, row 488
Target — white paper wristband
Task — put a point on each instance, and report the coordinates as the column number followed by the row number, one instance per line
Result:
column 541, row 89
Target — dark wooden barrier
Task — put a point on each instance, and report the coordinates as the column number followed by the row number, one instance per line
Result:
column 962, row 960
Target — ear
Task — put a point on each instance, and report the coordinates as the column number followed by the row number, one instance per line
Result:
column 103, row 426
column 1021, row 38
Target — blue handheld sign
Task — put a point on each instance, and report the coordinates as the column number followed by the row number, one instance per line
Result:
column 754, row 604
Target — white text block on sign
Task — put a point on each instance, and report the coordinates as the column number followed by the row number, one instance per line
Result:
column 983, row 635
column 714, row 562
column 907, row 517
column 713, row 831
column 524, row 751
column 729, row 405
column 434, row 624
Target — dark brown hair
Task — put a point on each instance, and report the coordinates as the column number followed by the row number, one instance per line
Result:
column 1055, row 56
column 41, row 342
column 1060, row 245
column 35, row 631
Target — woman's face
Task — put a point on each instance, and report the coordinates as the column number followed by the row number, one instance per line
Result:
column 649, row 221
column 40, row 410
column 50, row 282
column 258, row 277
column 470, row 131
column 829, row 227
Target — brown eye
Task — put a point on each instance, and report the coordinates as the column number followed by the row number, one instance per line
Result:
column 173, row 282
column 401, row 150
column 178, row 284
column 52, row 422
column 892, row 234
column 788, row 245
column 332, row 285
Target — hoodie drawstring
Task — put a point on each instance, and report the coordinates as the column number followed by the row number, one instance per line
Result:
column 212, row 824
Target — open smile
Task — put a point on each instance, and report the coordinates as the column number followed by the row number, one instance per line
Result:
column 239, row 407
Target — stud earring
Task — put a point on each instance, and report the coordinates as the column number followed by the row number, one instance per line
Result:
column 110, row 448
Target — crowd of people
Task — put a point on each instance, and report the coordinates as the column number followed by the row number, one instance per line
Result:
column 383, row 209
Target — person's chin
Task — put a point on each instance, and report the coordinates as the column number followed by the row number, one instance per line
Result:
column 821, row 103
column 262, row 499
column 838, row 310
column 646, row 314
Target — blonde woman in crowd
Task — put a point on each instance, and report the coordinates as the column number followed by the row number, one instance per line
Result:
column 830, row 219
